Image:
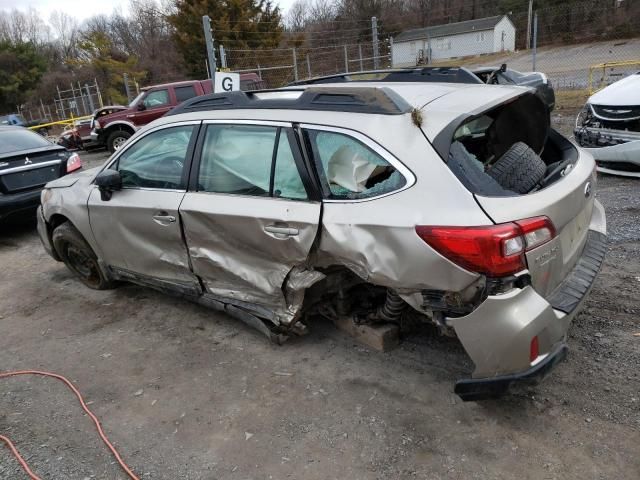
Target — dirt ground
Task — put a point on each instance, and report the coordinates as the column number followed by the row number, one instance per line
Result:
column 185, row 392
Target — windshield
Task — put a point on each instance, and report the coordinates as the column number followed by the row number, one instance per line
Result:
column 18, row 139
column 136, row 100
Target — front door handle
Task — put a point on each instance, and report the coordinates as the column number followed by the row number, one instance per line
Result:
column 163, row 218
column 281, row 231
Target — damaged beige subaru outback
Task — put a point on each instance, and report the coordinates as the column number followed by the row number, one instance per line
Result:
column 446, row 203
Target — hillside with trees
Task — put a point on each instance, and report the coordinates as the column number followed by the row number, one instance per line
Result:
column 160, row 41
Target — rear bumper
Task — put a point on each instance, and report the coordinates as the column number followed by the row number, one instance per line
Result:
column 498, row 334
column 485, row 388
column 17, row 202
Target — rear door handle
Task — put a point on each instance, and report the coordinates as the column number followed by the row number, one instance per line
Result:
column 163, row 218
column 281, row 231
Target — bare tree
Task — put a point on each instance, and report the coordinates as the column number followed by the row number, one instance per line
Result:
column 298, row 15
column 66, row 34
column 23, row 27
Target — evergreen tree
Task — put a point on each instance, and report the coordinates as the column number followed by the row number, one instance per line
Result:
column 236, row 24
column 22, row 68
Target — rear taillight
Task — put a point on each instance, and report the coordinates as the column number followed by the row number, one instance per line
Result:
column 494, row 250
column 73, row 163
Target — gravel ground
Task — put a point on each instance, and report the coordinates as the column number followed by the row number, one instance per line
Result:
column 185, row 392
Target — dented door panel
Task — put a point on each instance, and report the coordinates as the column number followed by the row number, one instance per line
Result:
column 244, row 247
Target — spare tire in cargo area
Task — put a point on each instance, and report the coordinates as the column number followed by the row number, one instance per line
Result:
column 520, row 169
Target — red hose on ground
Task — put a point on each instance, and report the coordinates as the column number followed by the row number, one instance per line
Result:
column 104, row 438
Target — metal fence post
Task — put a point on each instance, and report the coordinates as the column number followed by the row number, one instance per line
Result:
column 84, row 101
column 125, row 78
column 308, row 66
column 95, row 82
column 529, row 24
column 390, row 52
column 295, row 65
column 374, row 33
column 211, row 53
column 223, row 57
column 91, row 104
column 346, row 60
column 535, row 39
column 360, row 55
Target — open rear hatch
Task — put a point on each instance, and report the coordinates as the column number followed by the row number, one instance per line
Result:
column 519, row 168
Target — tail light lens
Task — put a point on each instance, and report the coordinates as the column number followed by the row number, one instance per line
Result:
column 493, row 250
column 73, row 163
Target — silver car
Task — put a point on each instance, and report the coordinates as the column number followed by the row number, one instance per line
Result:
column 448, row 203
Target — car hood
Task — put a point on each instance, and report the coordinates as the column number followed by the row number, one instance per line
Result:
column 69, row 180
column 625, row 92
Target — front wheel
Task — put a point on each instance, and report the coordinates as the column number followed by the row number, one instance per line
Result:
column 117, row 139
column 78, row 256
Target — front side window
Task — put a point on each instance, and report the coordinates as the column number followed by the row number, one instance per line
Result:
column 351, row 169
column 156, row 160
column 249, row 160
column 157, row 98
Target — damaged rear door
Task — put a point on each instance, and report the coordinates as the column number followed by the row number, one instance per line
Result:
column 248, row 217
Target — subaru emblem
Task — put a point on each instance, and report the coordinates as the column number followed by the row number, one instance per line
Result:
column 587, row 190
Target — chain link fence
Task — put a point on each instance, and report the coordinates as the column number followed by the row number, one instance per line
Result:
column 581, row 47
column 596, row 47
column 279, row 67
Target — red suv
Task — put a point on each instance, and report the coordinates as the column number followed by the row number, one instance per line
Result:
column 114, row 129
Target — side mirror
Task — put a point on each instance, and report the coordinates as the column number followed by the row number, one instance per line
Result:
column 141, row 106
column 503, row 68
column 108, row 181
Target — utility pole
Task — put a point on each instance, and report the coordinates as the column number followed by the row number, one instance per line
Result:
column 376, row 50
column 211, row 52
column 529, row 24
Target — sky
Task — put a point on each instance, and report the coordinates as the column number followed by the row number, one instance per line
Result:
column 82, row 9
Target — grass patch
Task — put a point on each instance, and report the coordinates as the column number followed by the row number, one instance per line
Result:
column 572, row 100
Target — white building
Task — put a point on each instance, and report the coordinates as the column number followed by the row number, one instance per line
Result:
column 473, row 37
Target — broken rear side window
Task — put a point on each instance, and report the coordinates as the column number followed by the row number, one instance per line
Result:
column 349, row 168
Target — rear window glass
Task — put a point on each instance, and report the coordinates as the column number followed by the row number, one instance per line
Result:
column 185, row 93
column 21, row 139
column 350, row 169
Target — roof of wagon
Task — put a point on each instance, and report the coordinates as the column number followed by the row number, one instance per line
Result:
column 440, row 103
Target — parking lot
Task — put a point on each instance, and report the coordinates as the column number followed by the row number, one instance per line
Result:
column 186, row 392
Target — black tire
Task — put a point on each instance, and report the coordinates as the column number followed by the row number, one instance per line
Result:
column 520, row 169
column 116, row 139
column 78, row 256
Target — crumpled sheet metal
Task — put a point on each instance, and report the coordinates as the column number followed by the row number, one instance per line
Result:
column 236, row 259
column 392, row 257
